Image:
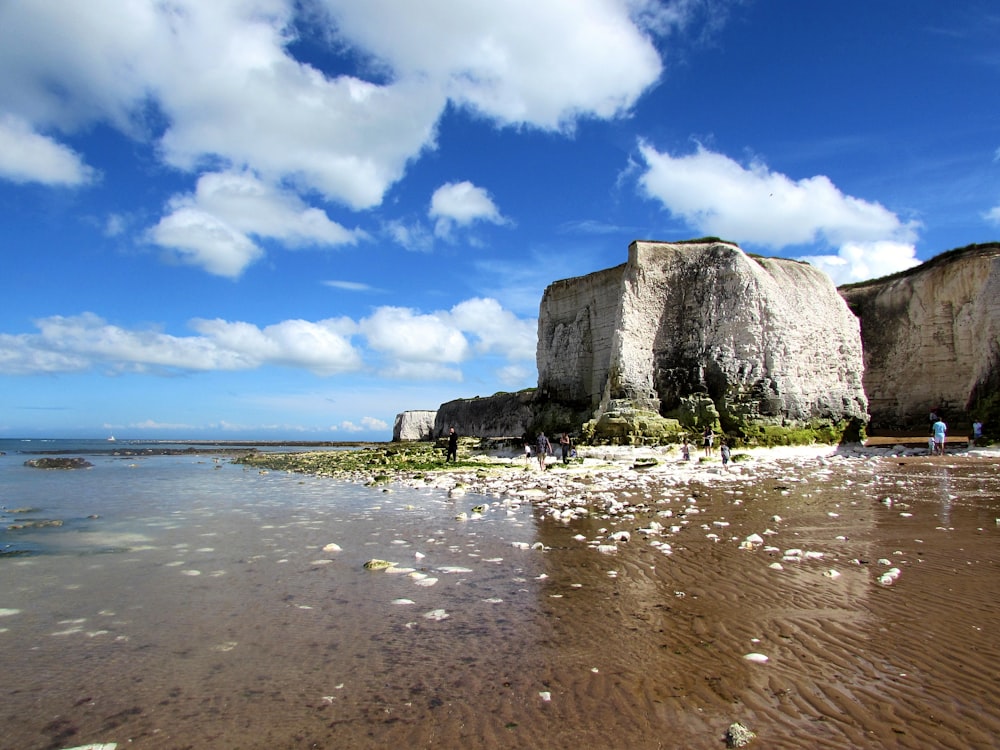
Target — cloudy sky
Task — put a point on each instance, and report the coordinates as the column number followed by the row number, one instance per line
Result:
column 297, row 218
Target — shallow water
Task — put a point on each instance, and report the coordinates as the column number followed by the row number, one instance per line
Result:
column 200, row 610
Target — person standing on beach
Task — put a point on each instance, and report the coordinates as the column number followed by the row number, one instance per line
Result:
column 686, row 451
column 527, row 453
column 977, row 431
column 564, row 445
column 452, row 446
column 708, row 439
column 724, row 450
column 544, row 448
column 940, row 431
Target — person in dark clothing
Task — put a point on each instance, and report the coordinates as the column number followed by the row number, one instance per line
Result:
column 452, row 445
column 565, row 444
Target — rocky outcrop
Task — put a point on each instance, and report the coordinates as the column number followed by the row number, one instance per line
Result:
column 500, row 415
column 932, row 339
column 417, row 424
column 58, row 462
column 694, row 333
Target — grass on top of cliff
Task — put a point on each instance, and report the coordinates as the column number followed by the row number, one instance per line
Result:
column 378, row 461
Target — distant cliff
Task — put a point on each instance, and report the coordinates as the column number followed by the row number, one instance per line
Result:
column 694, row 333
column 414, row 425
column 500, row 415
column 932, row 339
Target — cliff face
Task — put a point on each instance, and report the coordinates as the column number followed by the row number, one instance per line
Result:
column 768, row 340
column 932, row 338
column 414, row 425
column 576, row 329
column 501, row 415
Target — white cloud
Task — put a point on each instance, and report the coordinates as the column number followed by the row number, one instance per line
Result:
column 322, row 347
column 203, row 240
column 213, row 227
column 424, row 346
column 348, row 286
column 26, row 156
column 993, row 215
column 718, row 196
column 515, row 376
column 81, row 342
column 537, row 62
column 413, row 236
column 368, row 424
column 406, row 344
column 859, row 261
column 461, row 203
column 497, row 330
column 216, row 83
column 407, row 335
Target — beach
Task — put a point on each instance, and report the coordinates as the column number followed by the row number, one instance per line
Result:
column 819, row 597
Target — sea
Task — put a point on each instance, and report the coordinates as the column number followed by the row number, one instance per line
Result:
column 166, row 597
column 169, row 598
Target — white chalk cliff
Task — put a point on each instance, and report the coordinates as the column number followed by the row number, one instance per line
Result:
column 932, row 338
column 768, row 339
column 417, row 424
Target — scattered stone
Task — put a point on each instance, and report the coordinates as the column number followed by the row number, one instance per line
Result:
column 376, row 564
column 739, row 735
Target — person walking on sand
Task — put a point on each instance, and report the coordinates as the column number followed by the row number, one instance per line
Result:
column 527, row 453
column 544, row 448
column 940, row 431
column 452, row 446
column 724, row 451
column 565, row 444
column 686, row 451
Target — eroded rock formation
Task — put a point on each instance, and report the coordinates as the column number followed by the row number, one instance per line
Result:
column 932, row 339
column 684, row 327
column 417, row 424
column 500, row 415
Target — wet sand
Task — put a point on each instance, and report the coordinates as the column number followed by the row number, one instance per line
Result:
column 231, row 627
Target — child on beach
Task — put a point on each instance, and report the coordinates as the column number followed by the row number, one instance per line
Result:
column 724, row 451
column 686, row 451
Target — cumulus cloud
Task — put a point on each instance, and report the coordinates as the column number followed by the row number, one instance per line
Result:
column 217, row 82
column 537, row 62
column 27, row 156
column 495, row 329
column 214, row 226
column 461, row 203
column 400, row 342
column 82, row 342
column 993, row 215
column 753, row 205
column 407, row 335
column 428, row 346
column 367, row 424
column 856, row 261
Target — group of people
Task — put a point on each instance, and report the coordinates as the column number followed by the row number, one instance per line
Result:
column 543, row 449
column 939, row 433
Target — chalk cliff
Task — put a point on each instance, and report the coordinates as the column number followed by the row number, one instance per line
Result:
column 768, row 343
column 500, row 415
column 932, row 339
column 414, row 425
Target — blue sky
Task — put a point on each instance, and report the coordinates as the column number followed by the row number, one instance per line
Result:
column 270, row 219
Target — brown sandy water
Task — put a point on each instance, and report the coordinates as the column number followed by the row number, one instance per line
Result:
column 276, row 644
